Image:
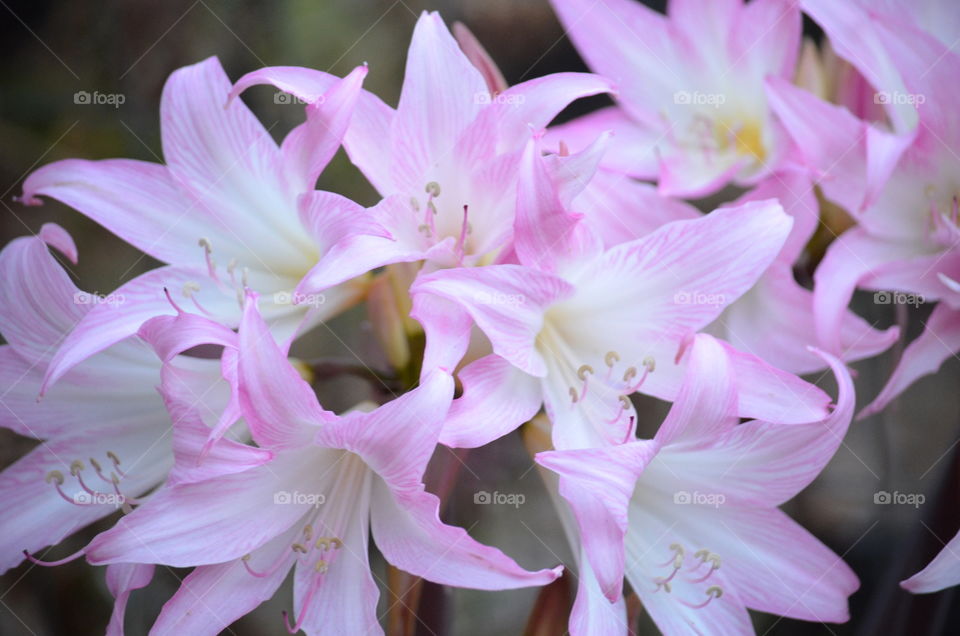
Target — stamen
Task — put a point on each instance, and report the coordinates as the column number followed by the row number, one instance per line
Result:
column 584, row 373
column 192, row 287
column 269, row 571
column 49, row 564
column 712, row 592
column 208, row 256
column 573, row 395
column 116, row 462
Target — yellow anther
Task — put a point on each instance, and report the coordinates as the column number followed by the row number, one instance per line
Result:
column 625, row 401
column 715, row 591
column 629, row 374
column 297, row 547
column 245, row 557
column 321, row 566
column 414, row 204
column 76, row 466
column 308, row 532
column 95, row 464
column 650, row 363
column 584, row 370
column 432, row 207
column 113, row 457
column 336, row 543
column 701, row 554
column 190, row 287
column 55, row 475
column 573, row 394
column 205, row 244
column 433, row 189
column 611, row 358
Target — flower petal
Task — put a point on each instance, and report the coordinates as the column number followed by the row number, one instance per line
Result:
column 942, row 572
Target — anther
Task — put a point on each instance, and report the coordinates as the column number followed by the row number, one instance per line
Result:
column 308, row 532
column 55, row 476
column 321, row 566
column 297, row 547
column 573, row 395
column 75, row 467
column 433, row 189
column 611, row 358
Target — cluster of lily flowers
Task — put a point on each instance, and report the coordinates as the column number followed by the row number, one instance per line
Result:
column 524, row 276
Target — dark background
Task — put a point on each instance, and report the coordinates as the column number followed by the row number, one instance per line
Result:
column 51, row 50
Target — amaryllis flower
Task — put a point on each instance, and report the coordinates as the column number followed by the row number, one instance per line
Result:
column 225, row 210
column 445, row 159
column 691, row 518
column 942, row 572
column 103, row 430
column 899, row 183
column 322, row 486
column 580, row 328
column 691, row 110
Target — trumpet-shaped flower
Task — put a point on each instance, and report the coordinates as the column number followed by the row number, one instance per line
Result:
column 228, row 209
column 99, row 450
column 691, row 109
column 691, row 518
column 310, row 504
column 580, row 328
column 901, row 187
column 445, row 160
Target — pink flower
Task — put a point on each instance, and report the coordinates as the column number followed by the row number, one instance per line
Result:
column 899, row 185
column 445, row 160
column 691, row 518
column 579, row 328
column 322, row 485
column 228, row 209
column 102, row 429
column 691, row 110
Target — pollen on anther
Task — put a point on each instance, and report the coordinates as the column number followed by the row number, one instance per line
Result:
column 611, row 358
column 54, row 476
column 433, row 189
column 76, row 466
column 584, row 370
column 321, row 566
column 296, row 547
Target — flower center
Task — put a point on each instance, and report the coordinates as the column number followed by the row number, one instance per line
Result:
column 88, row 495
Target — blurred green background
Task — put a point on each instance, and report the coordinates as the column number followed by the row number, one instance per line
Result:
column 52, row 50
